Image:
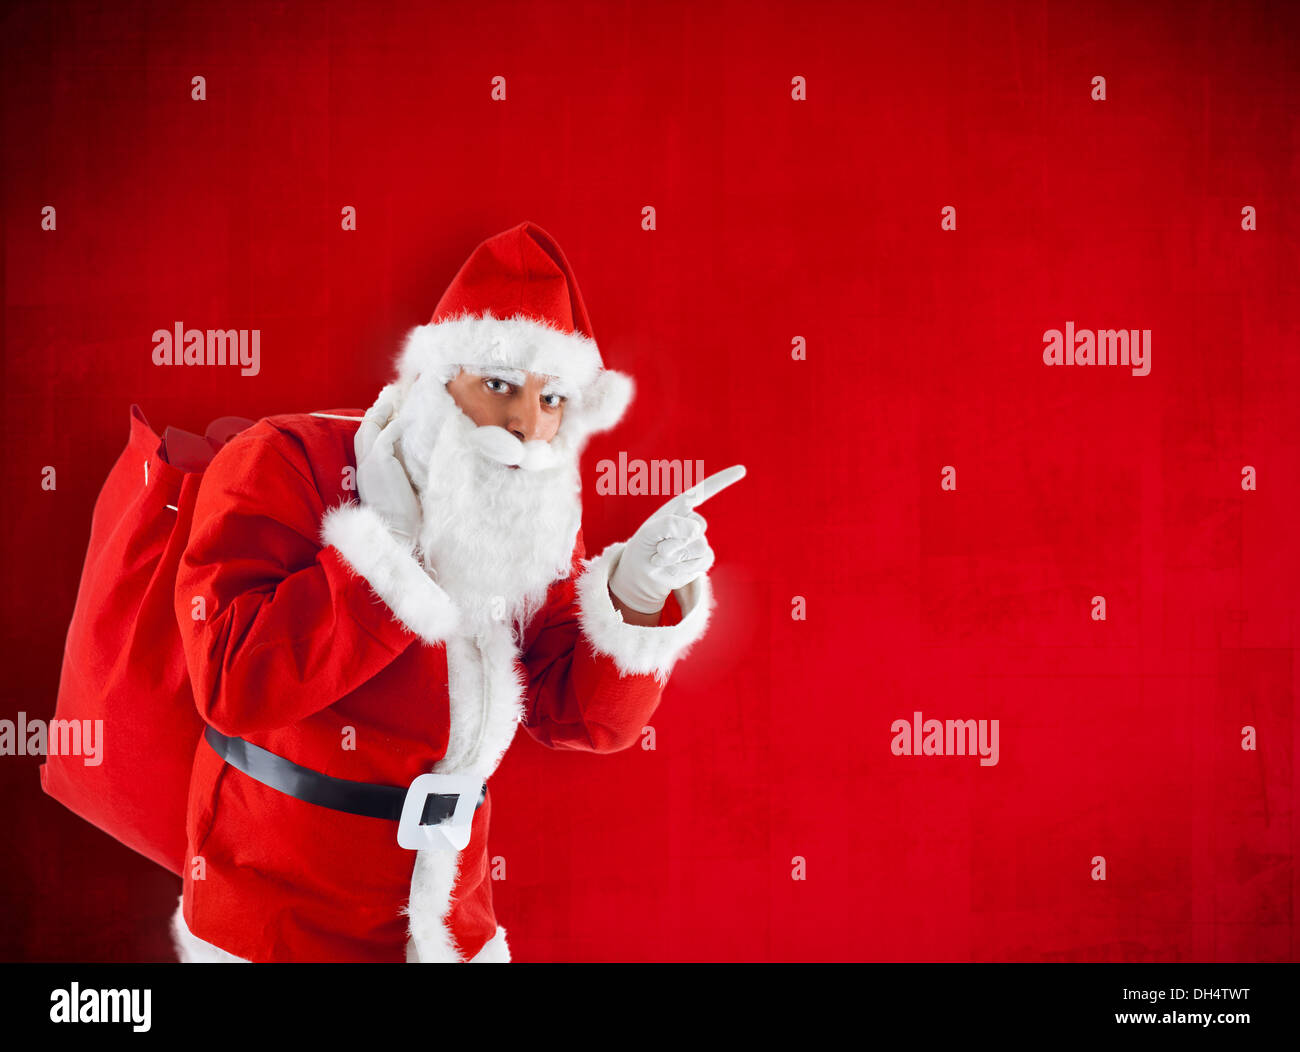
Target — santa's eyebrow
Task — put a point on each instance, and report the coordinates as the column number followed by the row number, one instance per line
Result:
column 517, row 377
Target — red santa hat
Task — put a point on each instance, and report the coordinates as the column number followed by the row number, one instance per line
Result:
column 515, row 307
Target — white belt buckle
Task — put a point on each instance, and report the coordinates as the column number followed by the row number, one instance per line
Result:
column 456, row 829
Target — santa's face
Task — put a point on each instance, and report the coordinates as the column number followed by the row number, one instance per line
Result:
column 501, row 503
column 527, row 405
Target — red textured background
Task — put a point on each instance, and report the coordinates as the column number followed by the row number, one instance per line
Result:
column 775, row 219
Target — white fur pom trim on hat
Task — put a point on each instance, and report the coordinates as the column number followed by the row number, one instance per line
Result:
column 637, row 649
column 394, row 574
column 603, row 403
column 487, row 341
column 597, row 397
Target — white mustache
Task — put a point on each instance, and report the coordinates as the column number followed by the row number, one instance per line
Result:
column 496, row 443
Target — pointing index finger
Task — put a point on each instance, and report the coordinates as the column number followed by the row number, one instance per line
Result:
column 684, row 502
column 712, row 486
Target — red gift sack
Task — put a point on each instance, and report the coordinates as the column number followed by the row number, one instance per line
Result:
column 123, row 663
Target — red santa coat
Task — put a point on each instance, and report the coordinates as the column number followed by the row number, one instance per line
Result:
column 306, row 626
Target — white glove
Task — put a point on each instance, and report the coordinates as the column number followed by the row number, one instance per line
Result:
column 669, row 550
column 382, row 482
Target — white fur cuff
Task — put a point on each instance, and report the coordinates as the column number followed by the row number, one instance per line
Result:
column 190, row 949
column 638, row 649
column 365, row 543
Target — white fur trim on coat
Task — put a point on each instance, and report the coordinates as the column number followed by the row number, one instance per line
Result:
column 495, row 951
column 374, row 554
column 638, row 649
column 432, row 880
column 190, row 949
column 486, row 689
column 486, row 706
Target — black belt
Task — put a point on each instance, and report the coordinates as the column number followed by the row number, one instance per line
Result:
column 338, row 794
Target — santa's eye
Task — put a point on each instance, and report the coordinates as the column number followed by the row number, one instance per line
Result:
column 552, row 401
column 496, row 385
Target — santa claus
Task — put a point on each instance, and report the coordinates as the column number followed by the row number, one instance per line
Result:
column 362, row 665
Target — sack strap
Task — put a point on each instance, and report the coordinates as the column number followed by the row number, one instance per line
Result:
column 338, row 794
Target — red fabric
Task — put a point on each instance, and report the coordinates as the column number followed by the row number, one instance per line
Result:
column 122, row 661
column 521, row 270
column 294, row 649
column 775, row 218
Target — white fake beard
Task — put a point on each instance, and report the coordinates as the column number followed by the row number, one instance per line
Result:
column 493, row 537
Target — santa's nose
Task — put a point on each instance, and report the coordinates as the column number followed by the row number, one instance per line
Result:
column 525, row 423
